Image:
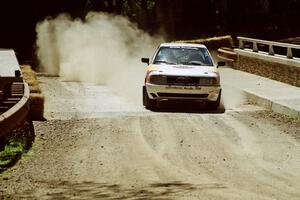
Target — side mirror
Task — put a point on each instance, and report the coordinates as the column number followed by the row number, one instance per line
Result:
column 221, row 64
column 145, row 60
column 17, row 73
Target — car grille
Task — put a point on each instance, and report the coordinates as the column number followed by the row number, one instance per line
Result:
column 182, row 80
column 179, row 95
column 186, row 80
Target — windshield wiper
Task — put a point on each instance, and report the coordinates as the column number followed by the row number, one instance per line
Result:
column 164, row 61
column 195, row 63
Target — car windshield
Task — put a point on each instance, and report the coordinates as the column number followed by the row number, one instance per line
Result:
column 183, row 56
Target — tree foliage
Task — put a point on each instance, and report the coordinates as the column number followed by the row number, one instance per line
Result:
column 177, row 19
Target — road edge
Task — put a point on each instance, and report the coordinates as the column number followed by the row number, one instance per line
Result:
column 269, row 104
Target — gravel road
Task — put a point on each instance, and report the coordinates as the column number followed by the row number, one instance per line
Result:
column 98, row 145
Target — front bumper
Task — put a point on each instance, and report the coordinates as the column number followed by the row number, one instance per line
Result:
column 205, row 93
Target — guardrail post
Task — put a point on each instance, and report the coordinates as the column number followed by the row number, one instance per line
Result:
column 255, row 49
column 289, row 53
column 271, row 50
column 241, row 44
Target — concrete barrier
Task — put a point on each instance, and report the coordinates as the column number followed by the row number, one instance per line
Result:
column 259, row 57
column 16, row 115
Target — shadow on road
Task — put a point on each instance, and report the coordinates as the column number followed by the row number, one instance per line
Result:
column 90, row 190
column 187, row 107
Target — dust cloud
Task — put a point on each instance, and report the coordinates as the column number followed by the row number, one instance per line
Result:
column 102, row 49
column 232, row 97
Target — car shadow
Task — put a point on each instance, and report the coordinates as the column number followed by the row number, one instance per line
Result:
column 89, row 190
column 187, row 107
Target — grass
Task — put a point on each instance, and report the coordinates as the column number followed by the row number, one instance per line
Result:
column 13, row 150
column 15, row 145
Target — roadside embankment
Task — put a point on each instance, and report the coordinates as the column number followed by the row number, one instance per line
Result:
column 36, row 97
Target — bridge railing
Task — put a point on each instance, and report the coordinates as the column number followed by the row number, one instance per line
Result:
column 256, row 42
column 16, row 115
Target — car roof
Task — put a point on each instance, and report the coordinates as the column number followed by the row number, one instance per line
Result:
column 173, row 44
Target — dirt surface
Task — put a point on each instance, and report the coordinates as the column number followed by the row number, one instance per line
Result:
column 97, row 145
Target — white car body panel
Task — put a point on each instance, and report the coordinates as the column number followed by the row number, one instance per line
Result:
column 213, row 92
column 183, row 70
column 182, row 92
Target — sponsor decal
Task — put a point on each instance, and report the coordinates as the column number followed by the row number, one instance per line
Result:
column 183, row 87
column 151, row 67
column 183, row 67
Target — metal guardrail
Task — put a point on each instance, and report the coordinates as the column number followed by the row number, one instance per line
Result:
column 16, row 115
column 256, row 42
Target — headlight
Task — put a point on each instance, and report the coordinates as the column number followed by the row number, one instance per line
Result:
column 206, row 81
column 209, row 81
column 158, row 79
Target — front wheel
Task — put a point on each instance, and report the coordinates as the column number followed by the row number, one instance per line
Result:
column 147, row 102
column 214, row 105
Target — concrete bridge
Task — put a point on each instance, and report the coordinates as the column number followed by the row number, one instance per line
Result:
column 278, row 61
column 272, row 60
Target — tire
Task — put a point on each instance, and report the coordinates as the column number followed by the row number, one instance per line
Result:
column 214, row 105
column 147, row 102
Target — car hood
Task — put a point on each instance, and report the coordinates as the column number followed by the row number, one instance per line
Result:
column 183, row 70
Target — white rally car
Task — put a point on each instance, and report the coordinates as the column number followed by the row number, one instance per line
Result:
column 182, row 71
